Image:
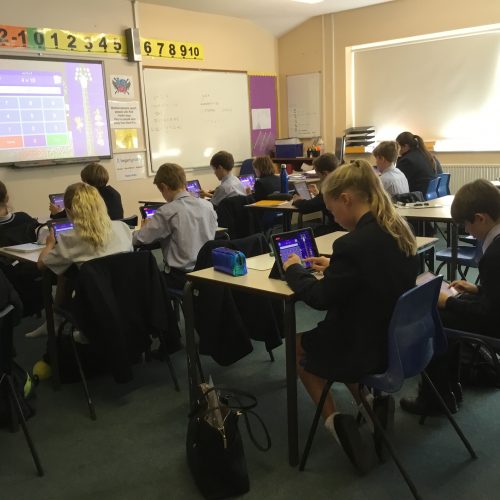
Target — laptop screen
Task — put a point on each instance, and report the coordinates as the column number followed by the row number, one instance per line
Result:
column 57, row 199
column 194, row 187
column 300, row 242
column 302, row 190
column 247, row 180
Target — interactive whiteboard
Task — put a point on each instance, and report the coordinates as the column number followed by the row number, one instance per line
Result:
column 192, row 114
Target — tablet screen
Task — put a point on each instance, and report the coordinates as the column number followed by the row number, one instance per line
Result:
column 57, row 199
column 302, row 190
column 300, row 242
column 61, row 226
column 194, row 187
column 147, row 212
column 445, row 286
column 247, row 180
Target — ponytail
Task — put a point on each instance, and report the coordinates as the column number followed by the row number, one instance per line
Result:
column 416, row 142
column 360, row 178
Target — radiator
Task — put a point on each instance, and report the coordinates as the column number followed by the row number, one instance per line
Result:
column 461, row 174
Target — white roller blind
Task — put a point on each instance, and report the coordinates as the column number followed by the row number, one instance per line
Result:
column 445, row 89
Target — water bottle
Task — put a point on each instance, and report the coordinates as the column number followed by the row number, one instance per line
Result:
column 284, row 179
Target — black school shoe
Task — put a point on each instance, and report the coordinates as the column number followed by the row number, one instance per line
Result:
column 425, row 407
column 359, row 452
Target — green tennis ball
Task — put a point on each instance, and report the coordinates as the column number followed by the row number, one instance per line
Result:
column 42, row 370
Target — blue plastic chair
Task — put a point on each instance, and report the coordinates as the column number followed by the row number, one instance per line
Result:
column 247, row 167
column 444, row 185
column 415, row 335
column 467, row 257
column 432, row 189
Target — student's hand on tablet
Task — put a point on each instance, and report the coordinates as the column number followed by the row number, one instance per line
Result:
column 248, row 190
column 144, row 222
column 319, row 263
column 292, row 259
column 464, row 286
column 313, row 189
column 54, row 209
column 296, row 197
column 206, row 194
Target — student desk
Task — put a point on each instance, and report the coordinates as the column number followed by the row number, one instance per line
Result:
column 258, row 282
column 49, row 311
column 438, row 210
column 286, row 208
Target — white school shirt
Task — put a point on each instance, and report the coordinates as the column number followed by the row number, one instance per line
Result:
column 394, row 181
column 230, row 186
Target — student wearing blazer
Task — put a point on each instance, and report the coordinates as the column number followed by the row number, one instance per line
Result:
column 415, row 161
column 267, row 182
column 369, row 269
column 476, row 309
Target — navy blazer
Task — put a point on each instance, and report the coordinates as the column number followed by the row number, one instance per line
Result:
column 264, row 186
column 416, row 169
column 366, row 276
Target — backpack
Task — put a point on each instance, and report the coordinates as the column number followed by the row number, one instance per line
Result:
column 477, row 366
column 24, row 385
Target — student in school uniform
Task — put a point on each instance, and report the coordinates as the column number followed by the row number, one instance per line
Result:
column 17, row 228
column 324, row 165
column 476, row 308
column 96, row 175
column 222, row 164
column 182, row 225
column 416, row 162
column 266, row 182
column 94, row 235
column 369, row 269
column 393, row 180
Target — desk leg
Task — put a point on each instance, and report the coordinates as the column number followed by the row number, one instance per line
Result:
column 287, row 221
column 188, row 309
column 51, row 332
column 454, row 252
column 291, row 384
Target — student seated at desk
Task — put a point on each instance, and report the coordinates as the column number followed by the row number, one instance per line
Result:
column 393, row 180
column 324, row 165
column 182, row 225
column 369, row 269
column 17, row 228
column 222, row 164
column 94, row 235
column 476, row 309
column 267, row 182
column 96, row 175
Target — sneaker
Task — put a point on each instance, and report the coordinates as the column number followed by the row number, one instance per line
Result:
column 79, row 337
column 41, row 331
column 359, row 452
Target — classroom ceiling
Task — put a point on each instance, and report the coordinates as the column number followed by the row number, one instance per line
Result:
column 275, row 16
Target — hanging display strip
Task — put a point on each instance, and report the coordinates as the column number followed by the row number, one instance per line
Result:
column 56, row 39
column 18, row 37
column 171, row 49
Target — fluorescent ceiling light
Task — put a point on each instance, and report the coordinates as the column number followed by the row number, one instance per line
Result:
column 308, row 1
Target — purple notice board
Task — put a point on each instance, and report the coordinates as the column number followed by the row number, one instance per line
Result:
column 263, row 98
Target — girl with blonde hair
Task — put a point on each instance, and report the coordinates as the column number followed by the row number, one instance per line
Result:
column 93, row 235
column 369, row 269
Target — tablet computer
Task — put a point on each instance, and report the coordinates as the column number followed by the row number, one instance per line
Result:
column 194, row 187
column 60, row 226
column 445, row 286
column 300, row 242
column 302, row 190
column 247, row 180
column 147, row 211
column 57, row 199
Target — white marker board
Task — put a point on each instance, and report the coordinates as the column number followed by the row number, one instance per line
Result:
column 192, row 114
column 304, row 105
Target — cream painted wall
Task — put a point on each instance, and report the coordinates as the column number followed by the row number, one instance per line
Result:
column 400, row 18
column 229, row 44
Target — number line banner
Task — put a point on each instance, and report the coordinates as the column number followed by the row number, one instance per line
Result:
column 19, row 37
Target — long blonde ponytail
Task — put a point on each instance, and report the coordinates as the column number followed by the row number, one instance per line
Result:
column 88, row 213
column 359, row 177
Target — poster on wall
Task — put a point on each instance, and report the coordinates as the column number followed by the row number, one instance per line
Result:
column 124, row 114
column 263, row 112
column 122, row 86
column 130, row 166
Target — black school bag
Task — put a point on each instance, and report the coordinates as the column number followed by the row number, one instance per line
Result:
column 477, row 366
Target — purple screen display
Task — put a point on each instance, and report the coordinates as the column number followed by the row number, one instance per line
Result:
column 300, row 244
column 247, row 181
column 52, row 110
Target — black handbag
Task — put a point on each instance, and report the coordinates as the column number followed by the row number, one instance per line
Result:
column 214, row 446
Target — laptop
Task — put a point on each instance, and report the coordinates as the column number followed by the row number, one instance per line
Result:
column 60, row 226
column 147, row 211
column 445, row 286
column 300, row 242
column 57, row 199
column 302, row 190
column 194, row 187
column 247, row 180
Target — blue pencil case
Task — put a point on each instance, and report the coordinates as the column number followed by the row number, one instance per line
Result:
column 229, row 261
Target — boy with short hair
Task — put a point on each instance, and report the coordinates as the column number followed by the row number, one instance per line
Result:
column 182, row 226
column 393, row 180
column 477, row 308
column 222, row 164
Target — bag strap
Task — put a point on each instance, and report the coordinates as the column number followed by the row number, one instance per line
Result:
column 229, row 393
column 267, row 446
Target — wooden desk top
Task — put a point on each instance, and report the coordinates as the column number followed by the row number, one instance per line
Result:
column 325, row 242
column 440, row 212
